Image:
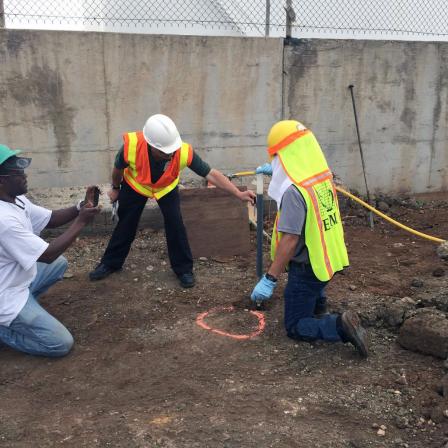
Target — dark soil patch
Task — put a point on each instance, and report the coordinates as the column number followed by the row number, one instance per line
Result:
column 143, row 374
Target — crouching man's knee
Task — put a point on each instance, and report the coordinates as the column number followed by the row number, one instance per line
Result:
column 60, row 265
column 60, row 345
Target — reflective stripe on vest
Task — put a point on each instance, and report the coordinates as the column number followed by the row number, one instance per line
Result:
column 138, row 175
column 304, row 163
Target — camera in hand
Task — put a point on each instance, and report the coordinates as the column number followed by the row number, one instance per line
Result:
column 96, row 196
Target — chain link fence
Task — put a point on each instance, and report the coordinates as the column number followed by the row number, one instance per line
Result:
column 381, row 19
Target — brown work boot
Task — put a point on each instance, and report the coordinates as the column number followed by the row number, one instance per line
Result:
column 354, row 332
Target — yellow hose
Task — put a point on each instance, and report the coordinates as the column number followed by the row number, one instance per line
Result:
column 241, row 174
column 369, row 207
column 387, row 218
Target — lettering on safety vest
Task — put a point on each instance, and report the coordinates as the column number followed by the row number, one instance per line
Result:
column 327, row 206
column 329, row 222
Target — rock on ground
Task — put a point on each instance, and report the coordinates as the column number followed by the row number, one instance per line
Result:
column 442, row 250
column 426, row 333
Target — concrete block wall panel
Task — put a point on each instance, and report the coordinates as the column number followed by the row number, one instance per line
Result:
column 223, row 93
column 68, row 96
column 400, row 91
column 53, row 104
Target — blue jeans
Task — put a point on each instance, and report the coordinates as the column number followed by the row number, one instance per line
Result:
column 302, row 293
column 35, row 331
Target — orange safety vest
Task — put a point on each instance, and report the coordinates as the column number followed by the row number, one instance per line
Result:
column 138, row 172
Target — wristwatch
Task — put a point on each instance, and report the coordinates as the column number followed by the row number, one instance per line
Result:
column 270, row 277
column 115, row 187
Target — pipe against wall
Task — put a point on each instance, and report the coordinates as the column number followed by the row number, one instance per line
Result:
column 351, row 87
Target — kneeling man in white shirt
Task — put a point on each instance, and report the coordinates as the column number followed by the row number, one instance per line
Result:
column 28, row 264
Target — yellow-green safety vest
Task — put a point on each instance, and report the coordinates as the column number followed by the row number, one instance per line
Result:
column 305, row 164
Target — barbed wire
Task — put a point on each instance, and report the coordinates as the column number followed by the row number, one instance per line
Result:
column 413, row 18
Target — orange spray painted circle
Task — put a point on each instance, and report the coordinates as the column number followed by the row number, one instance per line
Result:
column 200, row 320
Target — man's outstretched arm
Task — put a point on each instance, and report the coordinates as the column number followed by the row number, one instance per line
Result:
column 218, row 179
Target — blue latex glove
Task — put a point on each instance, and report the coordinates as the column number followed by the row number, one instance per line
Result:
column 263, row 290
column 266, row 168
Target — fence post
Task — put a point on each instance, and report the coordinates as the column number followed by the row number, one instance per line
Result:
column 290, row 18
column 268, row 17
column 2, row 15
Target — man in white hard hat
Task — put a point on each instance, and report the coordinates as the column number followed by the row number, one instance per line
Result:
column 148, row 165
column 28, row 264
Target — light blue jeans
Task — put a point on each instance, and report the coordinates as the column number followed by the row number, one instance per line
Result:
column 35, row 331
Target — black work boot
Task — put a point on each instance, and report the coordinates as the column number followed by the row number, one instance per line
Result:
column 101, row 271
column 186, row 280
column 320, row 310
column 354, row 332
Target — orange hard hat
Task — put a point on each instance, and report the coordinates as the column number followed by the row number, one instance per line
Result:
column 283, row 129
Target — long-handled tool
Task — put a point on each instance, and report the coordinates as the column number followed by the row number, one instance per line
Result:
column 351, row 87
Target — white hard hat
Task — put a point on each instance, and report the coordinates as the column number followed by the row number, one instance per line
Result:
column 161, row 133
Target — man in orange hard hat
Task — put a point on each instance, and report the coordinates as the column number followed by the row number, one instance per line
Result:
column 308, row 238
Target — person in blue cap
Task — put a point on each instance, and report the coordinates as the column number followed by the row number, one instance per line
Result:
column 28, row 264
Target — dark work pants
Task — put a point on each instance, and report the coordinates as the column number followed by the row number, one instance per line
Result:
column 303, row 291
column 131, row 205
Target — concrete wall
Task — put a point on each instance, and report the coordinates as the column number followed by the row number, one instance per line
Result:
column 67, row 97
column 401, row 92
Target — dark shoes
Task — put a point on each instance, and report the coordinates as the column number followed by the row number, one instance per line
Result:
column 320, row 310
column 354, row 332
column 186, row 280
column 101, row 271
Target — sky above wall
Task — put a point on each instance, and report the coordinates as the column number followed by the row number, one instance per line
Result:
column 368, row 19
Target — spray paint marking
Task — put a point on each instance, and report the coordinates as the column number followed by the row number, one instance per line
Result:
column 200, row 320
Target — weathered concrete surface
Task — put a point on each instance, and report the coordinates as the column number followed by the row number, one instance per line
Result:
column 427, row 332
column 52, row 92
column 400, row 90
column 68, row 96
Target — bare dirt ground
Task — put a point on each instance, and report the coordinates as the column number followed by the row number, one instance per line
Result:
column 143, row 374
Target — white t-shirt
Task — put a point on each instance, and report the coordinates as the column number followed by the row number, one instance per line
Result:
column 20, row 248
